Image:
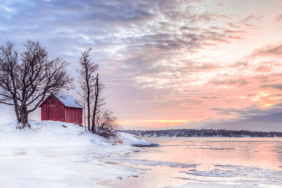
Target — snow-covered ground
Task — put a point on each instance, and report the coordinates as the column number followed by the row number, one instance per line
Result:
column 57, row 154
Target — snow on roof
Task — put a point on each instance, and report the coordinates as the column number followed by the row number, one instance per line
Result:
column 68, row 101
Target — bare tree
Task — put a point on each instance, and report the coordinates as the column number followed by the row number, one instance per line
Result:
column 87, row 80
column 103, row 119
column 27, row 78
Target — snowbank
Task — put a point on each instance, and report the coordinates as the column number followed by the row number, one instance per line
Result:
column 52, row 133
column 57, row 154
column 133, row 140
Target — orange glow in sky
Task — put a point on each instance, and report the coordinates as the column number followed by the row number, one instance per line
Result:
column 265, row 99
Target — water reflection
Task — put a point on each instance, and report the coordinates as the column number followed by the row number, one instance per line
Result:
column 260, row 152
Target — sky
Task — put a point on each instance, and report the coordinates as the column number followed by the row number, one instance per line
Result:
column 166, row 64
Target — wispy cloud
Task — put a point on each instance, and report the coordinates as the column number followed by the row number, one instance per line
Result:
column 6, row 8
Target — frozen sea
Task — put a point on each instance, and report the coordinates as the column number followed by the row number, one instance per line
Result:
column 205, row 162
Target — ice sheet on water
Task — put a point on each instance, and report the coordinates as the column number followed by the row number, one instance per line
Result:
column 211, row 173
column 217, row 185
column 154, row 163
column 214, row 148
column 230, row 166
column 237, row 176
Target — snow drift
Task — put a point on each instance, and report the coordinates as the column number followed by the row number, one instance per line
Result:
column 54, row 133
column 58, row 154
column 133, row 140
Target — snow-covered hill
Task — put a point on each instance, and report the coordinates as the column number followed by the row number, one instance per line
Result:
column 54, row 133
column 57, row 154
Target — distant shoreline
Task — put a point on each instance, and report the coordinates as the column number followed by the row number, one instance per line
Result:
column 201, row 133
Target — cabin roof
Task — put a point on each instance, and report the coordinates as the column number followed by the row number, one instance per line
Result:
column 67, row 100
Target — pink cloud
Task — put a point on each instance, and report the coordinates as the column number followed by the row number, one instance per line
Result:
column 270, row 50
column 278, row 18
column 249, row 18
column 220, row 4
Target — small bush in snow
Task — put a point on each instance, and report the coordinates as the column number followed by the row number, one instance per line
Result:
column 106, row 125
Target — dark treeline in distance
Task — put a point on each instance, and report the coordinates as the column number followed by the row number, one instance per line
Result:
column 201, row 133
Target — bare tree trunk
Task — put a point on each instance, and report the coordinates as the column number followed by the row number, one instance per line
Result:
column 97, row 92
column 88, row 109
column 24, row 116
column 84, row 117
column 17, row 114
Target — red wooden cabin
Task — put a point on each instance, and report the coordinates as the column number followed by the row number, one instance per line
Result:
column 63, row 108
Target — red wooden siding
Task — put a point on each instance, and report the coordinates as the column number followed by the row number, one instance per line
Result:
column 73, row 115
column 53, row 109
